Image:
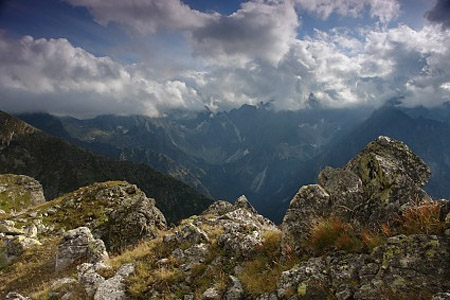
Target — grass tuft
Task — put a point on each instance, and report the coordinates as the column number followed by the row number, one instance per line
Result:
column 261, row 274
column 330, row 234
column 422, row 218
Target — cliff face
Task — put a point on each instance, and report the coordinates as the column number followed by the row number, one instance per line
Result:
column 366, row 231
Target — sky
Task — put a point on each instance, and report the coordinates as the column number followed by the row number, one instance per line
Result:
column 90, row 57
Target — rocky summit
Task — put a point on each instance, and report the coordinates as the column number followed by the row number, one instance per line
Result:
column 364, row 231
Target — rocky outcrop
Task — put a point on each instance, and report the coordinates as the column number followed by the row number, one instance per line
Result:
column 79, row 246
column 370, row 190
column 114, row 288
column 416, row 265
column 89, row 276
column 136, row 218
column 231, row 252
column 201, row 246
column 392, row 176
column 117, row 212
column 310, row 203
column 235, row 290
column 242, row 229
column 14, row 247
column 18, row 192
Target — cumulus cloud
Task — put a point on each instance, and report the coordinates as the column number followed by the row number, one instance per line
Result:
column 145, row 16
column 339, row 70
column 258, row 30
column 339, row 67
column 440, row 14
column 384, row 10
column 53, row 75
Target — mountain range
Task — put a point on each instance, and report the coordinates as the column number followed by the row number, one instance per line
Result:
column 256, row 150
column 62, row 167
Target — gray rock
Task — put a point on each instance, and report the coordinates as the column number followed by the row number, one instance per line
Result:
column 243, row 203
column 407, row 262
column 115, row 287
column 10, row 230
column 191, row 234
column 392, row 175
column 79, row 246
column 239, row 243
column 304, row 280
column 405, row 265
column 21, row 191
column 372, row 189
column 267, row 296
column 196, row 254
column 310, row 203
column 235, row 290
column 441, row 296
column 62, row 288
column 90, row 279
column 31, row 231
column 211, row 294
column 345, row 189
column 16, row 296
column 61, row 282
column 219, row 208
column 16, row 245
column 134, row 219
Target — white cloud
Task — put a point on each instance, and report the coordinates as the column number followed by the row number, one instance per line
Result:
column 339, row 70
column 145, row 16
column 384, row 10
column 258, row 30
column 339, row 67
column 53, row 75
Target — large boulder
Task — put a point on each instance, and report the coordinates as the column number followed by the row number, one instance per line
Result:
column 115, row 287
column 392, row 176
column 18, row 192
column 12, row 248
column 372, row 189
column 242, row 229
column 89, row 276
column 116, row 211
column 410, row 265
column 310, row 203
column 134, row 220
column 79, row 246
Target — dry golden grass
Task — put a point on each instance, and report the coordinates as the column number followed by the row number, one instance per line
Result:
column 372, row 240
column 33, row 272
column 261, row 274
column 137, row 253
column 422, row 218
column 330, row 234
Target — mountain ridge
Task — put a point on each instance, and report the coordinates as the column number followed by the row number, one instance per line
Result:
column 62, row 167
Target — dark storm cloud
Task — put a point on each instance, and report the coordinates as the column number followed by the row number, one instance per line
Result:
column 440, row 14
